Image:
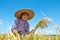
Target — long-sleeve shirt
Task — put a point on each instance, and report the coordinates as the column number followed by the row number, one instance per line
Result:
column 20, row 26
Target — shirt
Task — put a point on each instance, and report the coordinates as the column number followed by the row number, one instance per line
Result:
column 20, row 26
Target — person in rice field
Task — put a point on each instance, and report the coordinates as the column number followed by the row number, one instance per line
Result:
column 21, row 26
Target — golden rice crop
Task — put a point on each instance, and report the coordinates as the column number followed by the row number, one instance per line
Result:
column 31, row 36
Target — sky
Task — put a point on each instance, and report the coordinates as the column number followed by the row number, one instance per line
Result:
column 8, row 8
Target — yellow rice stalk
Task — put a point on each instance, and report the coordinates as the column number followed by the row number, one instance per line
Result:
column 6, row 37
column 40, row 24
column 1, row 37
column 32, row 36
column 57, row 37
column 59, row 30
column 49, row 37
column 16, row 37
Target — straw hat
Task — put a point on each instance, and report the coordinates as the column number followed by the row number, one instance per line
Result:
column 19, row 12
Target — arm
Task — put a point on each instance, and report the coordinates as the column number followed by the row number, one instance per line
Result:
column 14, row 27
column 27, row 29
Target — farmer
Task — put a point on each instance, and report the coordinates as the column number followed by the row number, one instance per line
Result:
column 21, row 26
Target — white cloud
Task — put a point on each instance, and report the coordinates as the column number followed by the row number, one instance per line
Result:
column 50, row 32
column 1, row 21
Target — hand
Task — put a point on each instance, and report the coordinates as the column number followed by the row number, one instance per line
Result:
column 14, row 31
column 20, row 32
column 32, row 31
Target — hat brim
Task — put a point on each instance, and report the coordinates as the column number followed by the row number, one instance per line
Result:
column 19, row 12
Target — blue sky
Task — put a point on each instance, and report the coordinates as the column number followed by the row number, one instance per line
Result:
column 9, row 7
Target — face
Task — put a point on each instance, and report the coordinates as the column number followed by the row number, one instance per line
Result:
column 24, row 17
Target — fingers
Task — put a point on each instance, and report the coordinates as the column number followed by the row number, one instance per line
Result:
column 14, row 31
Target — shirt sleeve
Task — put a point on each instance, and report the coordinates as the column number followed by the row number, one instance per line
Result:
column 14, row 26
column 27, row 27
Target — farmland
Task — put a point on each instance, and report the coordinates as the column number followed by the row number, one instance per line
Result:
column 29, row 37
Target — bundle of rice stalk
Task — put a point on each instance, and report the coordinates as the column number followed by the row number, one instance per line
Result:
column 41, row 24
column 59, row 30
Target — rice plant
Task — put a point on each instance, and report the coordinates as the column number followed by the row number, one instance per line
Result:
column 33, row 36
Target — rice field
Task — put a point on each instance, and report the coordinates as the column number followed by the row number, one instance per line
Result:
column 33, row 35
column 29, row 37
